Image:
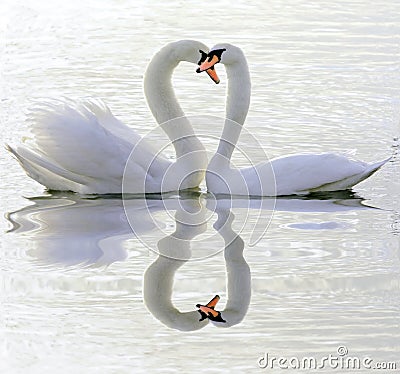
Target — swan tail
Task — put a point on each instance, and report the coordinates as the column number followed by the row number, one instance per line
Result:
column 351, row 181
column 372, row 168
column 45, row 172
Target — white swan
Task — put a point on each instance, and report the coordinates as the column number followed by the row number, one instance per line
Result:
column 85, row 148
column 293, row 174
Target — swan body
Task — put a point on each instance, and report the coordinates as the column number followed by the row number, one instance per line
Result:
column 289, row 175
column 293, row 174
column 85, row 148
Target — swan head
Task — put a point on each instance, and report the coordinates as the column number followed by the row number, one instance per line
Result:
column 182, row 50
column 223, row 53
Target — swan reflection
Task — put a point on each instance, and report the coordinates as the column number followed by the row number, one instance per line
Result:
column 175, row 250
column 237, row 269
column 69, row 230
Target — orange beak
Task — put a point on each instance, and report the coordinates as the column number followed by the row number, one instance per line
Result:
column 208, row 67
column 208, row 64
column 213, row 75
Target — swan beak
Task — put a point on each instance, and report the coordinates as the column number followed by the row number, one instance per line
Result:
column 208, row 67
column 207, row 64
column 213, row 75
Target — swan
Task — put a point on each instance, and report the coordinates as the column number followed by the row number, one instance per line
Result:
column 84, row 148
column 288, row 175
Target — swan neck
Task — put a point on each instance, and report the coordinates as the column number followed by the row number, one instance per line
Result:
column 158, row 88
column 162, row 101
column 237, row 105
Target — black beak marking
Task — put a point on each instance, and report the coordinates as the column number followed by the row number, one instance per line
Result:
column 202, row 58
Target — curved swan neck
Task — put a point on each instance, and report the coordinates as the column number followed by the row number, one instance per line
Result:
column 237, row 103
column 161, row 97
column 158, row 87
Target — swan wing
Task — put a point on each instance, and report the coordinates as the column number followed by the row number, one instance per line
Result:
column 84, row 145
column 111, row 123
column 74, row 138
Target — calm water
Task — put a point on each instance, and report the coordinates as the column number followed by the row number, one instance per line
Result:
column 82, row 293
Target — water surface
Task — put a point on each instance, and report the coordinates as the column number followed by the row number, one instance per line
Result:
column 81, row 290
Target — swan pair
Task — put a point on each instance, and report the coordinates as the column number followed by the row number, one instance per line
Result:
column 85, row 149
